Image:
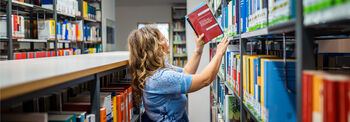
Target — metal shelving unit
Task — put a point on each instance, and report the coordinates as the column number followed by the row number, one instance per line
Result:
column 35, row 9
column 305, row 29
column 178, row 13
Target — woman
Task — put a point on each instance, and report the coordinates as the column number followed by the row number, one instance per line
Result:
column 163, row 87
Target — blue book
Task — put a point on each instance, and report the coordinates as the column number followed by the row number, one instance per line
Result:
column 247, row 15
column 228, row 64
column 59, row 29
column 65, row 29
column 279, row 103
column 226, row 17
column 255, row 79
column 292, row 9
column 85, row 32
column 242, row 14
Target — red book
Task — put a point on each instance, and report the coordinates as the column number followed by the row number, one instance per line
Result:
column 120, row 108
column 329, row 101
column 43, row 54
column 348, row 99
column 202, row 21
column 307, row 96
column 343, row 101
column 24, row 55
column 53, row 53
column 30, row 55
column 17, row 56
column 38, row 55
column 48, row 54
column 15, row 27
column 130, row 103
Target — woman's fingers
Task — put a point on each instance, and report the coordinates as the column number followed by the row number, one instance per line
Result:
column 201, row 36
column 195, row 35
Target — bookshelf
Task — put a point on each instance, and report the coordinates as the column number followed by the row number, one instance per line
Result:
column 84, row 72
column 297, row 37
column 178, row 36
column 34, row 12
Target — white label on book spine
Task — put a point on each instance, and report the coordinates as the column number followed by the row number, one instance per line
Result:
column 212, row 26
column 201, row 13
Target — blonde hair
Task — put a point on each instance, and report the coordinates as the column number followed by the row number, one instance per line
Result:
column 146, row 56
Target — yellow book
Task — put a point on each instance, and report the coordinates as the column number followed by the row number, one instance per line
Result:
column 317, row 97
column 248, row 75
column 244, row 71
column 251, row 79
column 114, row 108
column 85, row 9
column 52, row 29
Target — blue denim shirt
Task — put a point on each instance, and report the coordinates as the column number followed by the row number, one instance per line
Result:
column 164, row 95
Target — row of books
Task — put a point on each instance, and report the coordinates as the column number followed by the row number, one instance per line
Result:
column 18, row 26
column 325, row 96
column 75, row 103
column 179, row 49
column 311, row 6
column 179, row 25
column 45, row 29
column 69, row 30
column 91, row 11
column 43, row 54
column 179, row 62
column 253, row 14
column 70, row 7
column 28, row 54
column 228, row 18
column 179, row 37
column 268, row 85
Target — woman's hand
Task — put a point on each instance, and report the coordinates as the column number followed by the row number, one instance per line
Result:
column 199, row 44
column 221, row 47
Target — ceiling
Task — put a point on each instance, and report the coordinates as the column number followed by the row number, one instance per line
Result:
column 148, row 2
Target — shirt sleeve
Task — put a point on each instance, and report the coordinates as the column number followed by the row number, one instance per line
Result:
column 172, row 82
column 176, row 68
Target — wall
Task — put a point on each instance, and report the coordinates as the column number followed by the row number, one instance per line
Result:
column 108, row 13
column 198, row 102
column 127, row 17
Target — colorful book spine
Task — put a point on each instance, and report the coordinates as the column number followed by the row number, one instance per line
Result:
column 279, row 98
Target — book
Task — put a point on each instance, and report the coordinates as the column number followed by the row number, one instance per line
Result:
column 202, row 21
column 329, row 96
column 103, row 115
column 46, row 29
column 90, row 118
column 279, row 100
column 307, row 95
column 238, row 75
column 232, row 108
